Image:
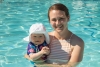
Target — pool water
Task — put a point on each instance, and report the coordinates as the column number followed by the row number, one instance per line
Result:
column 17, row 16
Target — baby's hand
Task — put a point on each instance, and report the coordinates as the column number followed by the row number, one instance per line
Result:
column 45, row 50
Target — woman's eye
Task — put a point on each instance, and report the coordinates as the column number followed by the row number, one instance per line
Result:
column 53, row 19
column 61, row 19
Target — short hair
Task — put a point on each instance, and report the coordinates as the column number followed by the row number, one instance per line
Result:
column 59, row 6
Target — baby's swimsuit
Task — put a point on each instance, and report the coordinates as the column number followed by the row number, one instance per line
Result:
column 32, row 48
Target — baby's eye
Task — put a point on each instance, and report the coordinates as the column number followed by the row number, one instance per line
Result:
column 34, row 36
column 40, row 36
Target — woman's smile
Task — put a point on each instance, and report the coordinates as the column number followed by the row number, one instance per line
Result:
column 60, row 27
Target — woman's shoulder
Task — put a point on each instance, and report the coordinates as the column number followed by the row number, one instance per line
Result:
column 51, row 33
column 76, row 40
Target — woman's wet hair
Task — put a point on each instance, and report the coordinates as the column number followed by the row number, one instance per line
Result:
column 59, row 6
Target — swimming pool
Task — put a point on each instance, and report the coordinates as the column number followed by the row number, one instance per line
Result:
column 17, row 16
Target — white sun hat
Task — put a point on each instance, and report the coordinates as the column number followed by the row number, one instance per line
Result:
column 38, row 28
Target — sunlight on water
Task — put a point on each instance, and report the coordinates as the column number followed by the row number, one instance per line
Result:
column 17, row 16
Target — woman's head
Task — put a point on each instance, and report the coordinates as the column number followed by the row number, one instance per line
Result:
column 58, row 16
column 60, row 7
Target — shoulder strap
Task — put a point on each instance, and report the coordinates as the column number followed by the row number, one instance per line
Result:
column 71, row 36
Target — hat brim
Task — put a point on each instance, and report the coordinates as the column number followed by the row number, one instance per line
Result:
column 26, row 38
column 45, row 33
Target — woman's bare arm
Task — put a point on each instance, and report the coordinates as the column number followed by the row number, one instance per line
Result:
column 77, row 54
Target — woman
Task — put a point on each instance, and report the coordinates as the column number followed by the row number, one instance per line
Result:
column 66, row 49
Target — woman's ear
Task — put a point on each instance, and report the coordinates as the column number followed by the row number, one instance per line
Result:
column 68, row 17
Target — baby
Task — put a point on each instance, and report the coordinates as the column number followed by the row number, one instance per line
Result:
column 38, row 43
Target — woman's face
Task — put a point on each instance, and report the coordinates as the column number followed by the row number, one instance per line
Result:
column 58, row 20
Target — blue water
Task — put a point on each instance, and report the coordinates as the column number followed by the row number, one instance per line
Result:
column 16, row 16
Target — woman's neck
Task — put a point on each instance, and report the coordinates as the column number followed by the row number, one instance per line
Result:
column 63, row 35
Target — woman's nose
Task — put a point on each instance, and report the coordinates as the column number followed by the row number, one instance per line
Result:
column 57, row 21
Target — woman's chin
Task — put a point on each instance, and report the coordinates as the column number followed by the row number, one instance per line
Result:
column 59, row 31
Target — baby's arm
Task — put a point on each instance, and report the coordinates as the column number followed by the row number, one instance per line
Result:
column 35, row 56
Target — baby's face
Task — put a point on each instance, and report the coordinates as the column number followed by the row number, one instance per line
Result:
column 37, row 38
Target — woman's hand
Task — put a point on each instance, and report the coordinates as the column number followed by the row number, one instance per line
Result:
column 66, row 66
column 27, row 57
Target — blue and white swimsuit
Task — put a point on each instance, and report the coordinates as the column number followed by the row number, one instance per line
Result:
column 32, row 48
